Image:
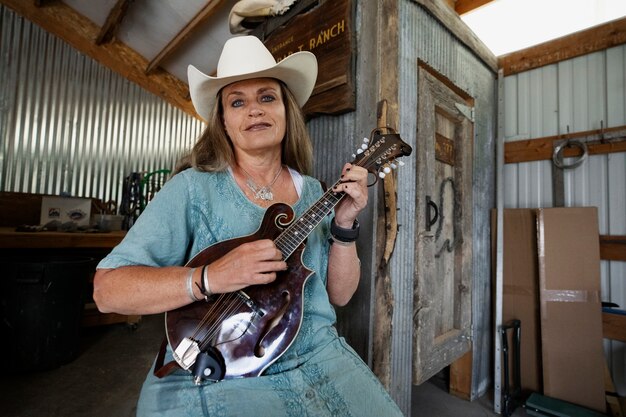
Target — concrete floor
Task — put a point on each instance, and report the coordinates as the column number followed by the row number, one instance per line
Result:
column 105, row 379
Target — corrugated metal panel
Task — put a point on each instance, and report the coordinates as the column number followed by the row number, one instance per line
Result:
column 70, row 125
column 335, row 139
column 425, row 38
column 584, row 93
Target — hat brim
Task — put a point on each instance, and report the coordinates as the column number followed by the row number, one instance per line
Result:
column 298, row 71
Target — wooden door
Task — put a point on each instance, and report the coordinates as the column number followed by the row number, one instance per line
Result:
column 443, row 268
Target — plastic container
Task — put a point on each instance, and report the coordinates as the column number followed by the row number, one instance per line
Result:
column 41, row 304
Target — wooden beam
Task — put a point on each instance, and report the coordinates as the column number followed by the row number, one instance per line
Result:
column 598, row 142
column 613, row 248
column 78, row 31
column 580, row 43
column 384, row 301
column 461, row 376
column 113, row 22
column 451, row 20
column 614, row 326
column 386, row 225
column 202, row 16
column 465, row 6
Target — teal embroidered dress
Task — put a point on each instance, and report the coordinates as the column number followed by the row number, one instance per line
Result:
column 319, row 375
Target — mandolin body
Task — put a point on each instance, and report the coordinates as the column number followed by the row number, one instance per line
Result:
column 250, row 329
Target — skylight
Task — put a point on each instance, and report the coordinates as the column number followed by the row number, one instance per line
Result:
column 510, row 25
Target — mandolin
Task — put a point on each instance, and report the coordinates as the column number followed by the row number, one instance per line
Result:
column 240, row 334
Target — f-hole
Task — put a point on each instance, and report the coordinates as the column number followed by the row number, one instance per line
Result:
column 259, row 351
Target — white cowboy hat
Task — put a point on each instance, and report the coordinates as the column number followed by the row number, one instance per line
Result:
column 245, row 57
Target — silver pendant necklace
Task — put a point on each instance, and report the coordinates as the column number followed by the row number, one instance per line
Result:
column 261, row 193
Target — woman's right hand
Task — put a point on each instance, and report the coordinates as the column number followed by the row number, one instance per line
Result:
column 251, row 263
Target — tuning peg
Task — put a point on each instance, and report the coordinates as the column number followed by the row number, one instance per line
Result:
column 386, row 170
column 382, row 174
column 364, row 146
column 401, row 163
column 359, row 151
column 393, row 165
column 366, row 140
column 353, row 155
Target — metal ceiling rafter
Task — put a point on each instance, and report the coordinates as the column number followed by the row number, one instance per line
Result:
column 113, row 22
column 203, row 15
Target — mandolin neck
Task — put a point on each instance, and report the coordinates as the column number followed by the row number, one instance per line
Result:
column 297, row 232
column 382, row 149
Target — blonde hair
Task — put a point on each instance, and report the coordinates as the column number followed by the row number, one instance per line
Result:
column 213, row 151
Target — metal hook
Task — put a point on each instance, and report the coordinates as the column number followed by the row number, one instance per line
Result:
column 602, row 139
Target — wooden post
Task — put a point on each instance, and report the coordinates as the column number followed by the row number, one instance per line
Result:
column 388, row 230
column 461, row 377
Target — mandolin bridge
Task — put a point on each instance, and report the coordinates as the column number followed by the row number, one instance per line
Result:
column 186, row 353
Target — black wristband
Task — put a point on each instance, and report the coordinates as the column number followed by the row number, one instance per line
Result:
column 202, row 286
column 345, row 235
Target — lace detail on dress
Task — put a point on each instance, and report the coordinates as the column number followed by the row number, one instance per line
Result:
column 325, row 387
column 293, row 405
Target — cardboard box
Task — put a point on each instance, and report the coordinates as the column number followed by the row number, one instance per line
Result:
column 551, row 283
column 65, row 209
column 571, row 310
column 520, row 291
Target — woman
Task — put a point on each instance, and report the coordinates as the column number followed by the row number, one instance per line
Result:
column 254, row 152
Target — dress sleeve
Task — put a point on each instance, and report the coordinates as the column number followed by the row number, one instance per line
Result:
column 162, row 233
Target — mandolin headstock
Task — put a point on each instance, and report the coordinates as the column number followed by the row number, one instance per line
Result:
column 378, row 154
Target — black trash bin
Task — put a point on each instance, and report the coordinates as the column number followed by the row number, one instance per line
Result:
column 41, row 303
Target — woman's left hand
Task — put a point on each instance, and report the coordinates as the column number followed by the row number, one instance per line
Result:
column 354, row 184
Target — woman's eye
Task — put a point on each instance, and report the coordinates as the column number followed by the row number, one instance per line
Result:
column 268, row 98
column 237, row 103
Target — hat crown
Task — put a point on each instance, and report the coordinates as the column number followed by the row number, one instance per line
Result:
column 244, row 55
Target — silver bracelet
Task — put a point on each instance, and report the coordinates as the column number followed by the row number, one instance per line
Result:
column 192, row 296
column 205, row 281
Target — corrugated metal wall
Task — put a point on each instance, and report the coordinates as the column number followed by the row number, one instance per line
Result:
column 579, row 94
column 70, row 125
column 425, row 38
column 335, row 139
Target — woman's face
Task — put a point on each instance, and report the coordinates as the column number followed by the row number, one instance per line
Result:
column 254, row 115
